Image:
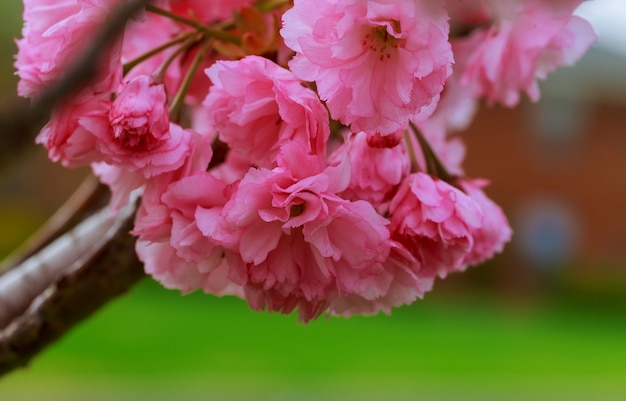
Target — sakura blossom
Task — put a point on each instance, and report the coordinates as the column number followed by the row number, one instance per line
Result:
column 298, row 244
column 259, row 106
column 315, row 167
column 526, row 41
column 53, row 36
column 436, row 222
column 376, row 64
column 378, row 165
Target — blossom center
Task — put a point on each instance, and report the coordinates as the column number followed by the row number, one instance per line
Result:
column 135, row 139
column 296, row 210
column 381, row 42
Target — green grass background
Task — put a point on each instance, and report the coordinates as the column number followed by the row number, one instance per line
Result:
column 156, row 344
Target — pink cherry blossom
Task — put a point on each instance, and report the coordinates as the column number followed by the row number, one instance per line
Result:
column 298, row 244
column 436, row 222
column 528, row 40
column 185, row 259
column 495, row 230
column 377, row 167
column 174, row 250
column 139, row 115
column 54, row 35
column 163, row 263
column 66, row 139
column 377, row 64
column 400, row 284
column 257, row 107
column 153, row 219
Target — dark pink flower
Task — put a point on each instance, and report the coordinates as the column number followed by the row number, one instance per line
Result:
column 436, row 222
column 295, row 243
column 257, row 107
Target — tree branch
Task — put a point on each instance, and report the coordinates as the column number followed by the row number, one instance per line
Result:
column 110, row 270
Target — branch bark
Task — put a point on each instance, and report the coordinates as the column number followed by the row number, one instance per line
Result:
column 110, row 270
column 40, row 302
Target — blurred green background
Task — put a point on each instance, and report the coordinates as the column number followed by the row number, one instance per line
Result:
column 543, row 321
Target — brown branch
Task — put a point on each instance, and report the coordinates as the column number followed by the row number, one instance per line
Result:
column 111, row 266
column 19, row 126
column 110, row 271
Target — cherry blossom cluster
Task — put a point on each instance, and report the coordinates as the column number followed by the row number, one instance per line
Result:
column 297, row 154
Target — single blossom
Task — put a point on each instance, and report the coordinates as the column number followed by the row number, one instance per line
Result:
column 66, row 138
column 528, row 40
column 137, row 135
column 377, row 64
column 139, row 115
column 377, row 166
column 55, row 34
column 436, row 222
column 257, row 107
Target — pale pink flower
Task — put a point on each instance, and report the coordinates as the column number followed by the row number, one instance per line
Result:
column 436, row 222
column 528, row 40
column 257, row 107
column 164, row 155
column 298, row 244
column 55, row 33
column 377, row 64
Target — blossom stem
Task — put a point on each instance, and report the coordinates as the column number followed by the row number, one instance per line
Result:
column 215, row 33
column 434, row 166
column 160, row 72
column 269, row 5
column 409, row 147
column 133, row 63
column 184, row 87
